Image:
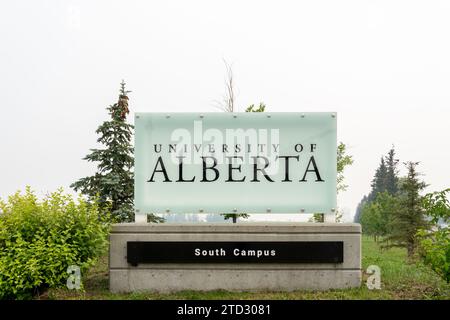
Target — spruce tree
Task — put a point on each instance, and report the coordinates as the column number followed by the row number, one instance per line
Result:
column 379, row 181
column 385, row 180
column 391, row 182
column 409, row 218
column 113, row 183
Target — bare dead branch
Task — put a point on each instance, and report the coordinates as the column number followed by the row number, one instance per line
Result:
column 228, row 99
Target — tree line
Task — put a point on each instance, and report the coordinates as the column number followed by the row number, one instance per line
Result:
column 392, row 210
column 396, row 214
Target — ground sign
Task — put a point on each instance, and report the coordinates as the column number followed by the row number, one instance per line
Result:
column 235, row 162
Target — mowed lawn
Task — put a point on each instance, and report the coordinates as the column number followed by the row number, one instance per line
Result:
column 400, row 280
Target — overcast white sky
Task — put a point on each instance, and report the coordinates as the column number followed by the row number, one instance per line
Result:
column 384, row 66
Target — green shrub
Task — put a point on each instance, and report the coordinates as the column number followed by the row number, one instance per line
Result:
column 40, row 239
column 434, row 245
column 435, row 251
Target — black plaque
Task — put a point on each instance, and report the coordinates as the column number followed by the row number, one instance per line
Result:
column 235, row 252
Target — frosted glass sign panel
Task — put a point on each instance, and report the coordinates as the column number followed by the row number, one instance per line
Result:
column 235, row 162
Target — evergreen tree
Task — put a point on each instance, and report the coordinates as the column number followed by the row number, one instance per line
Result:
column 379, row 181
column 391, row 180
column 113, row 182
column 385, row 180
column 410, row 216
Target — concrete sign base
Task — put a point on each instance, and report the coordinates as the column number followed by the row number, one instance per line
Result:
column 258, row 272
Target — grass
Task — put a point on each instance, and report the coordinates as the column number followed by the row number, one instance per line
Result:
column 400, row 280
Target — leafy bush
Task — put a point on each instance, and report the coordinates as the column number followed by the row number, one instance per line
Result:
column 376, row 215
column 435, row 251
column 435, row 245
column 40, row 239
